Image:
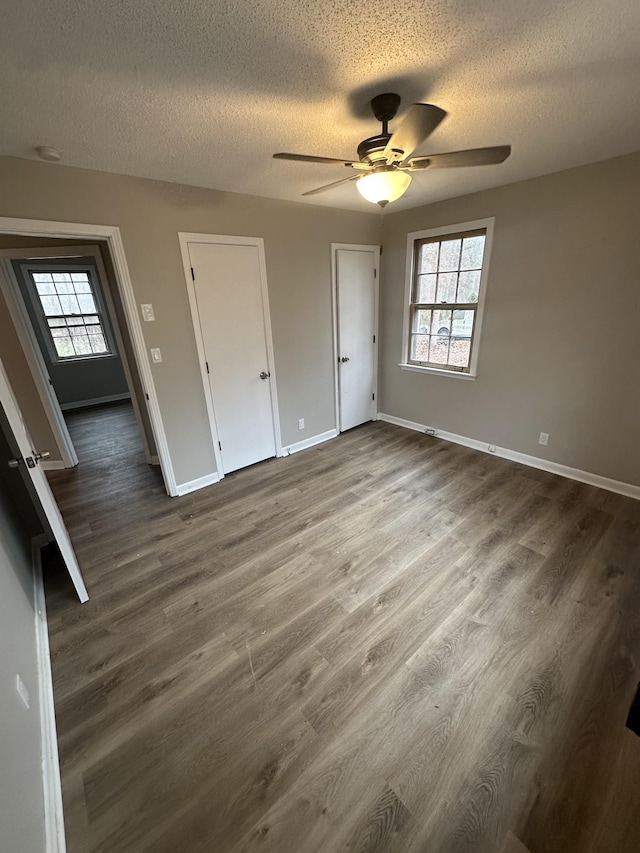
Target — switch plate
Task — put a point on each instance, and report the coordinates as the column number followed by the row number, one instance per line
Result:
column 544, row 438
column 156, row 355
column 300, row 423
column 21, row 690
column 147, row 312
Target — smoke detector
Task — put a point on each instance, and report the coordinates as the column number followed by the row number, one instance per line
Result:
column 46, row 152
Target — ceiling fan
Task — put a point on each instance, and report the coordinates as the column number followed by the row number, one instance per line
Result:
column 385, row 160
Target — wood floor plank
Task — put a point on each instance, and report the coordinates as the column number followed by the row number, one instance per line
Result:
column 385, row 643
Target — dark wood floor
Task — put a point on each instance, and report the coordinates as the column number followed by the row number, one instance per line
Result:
column 384, row 643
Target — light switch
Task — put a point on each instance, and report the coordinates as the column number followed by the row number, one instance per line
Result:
column 147, row 312
column 156, row 355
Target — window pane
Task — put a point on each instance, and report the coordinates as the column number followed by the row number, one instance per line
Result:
column 64, row 347
column 81, row 282
column 428, row 259
column 85, row 300
column 449, row 255
column 56, row 321
column 439, row 349
column 441, row 323
column 50, row 305
column 472, row 252
column 426, row 288
column 468, row 286
column 462, row 325
column 98, row 343
column 41, row 277
column 59, row 333
column 459, row 352
column 69, row 304
column 44, row 287
column 81, row 345
column 422, row 321
column 89, row 319
column 419, row 348
column 447, row 287
column 59, row 277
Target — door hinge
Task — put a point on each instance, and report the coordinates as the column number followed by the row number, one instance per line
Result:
column 146, row 395
column 207, row 366
column 193, row 275
column 219, row 445
column 375, row 273
column 373, row 396
column 374, row 339
column 381, row 248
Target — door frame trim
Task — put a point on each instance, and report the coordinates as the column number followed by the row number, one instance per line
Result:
column 186, row 237
column 356, row 247
column 111, row 235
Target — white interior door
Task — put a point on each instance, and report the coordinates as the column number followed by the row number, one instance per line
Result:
column 230, row 292
column 28, row 462
column 356, row 305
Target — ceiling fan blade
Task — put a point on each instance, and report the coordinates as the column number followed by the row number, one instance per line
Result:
column 310, row 158
column 419, row 123
column 453, row 159
column 330, row 186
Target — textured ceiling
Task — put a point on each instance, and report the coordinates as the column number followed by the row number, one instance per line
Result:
column 203, row 92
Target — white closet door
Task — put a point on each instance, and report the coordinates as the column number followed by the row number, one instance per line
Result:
column 234, row 326
column 356, row 307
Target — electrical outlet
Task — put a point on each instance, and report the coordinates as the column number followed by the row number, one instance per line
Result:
column 156, row 355
column 21, row 690
column 544, row 438
column 300, row 423
column 430, row 431
column 147, row 312
column 491, row 448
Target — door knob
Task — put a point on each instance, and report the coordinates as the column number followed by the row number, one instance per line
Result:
column 14, row 463
column 344, row 358
column 44, row 455
column 265, row 374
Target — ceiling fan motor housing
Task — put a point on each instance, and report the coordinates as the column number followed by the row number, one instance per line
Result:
column 372, row 149
column 384, row 108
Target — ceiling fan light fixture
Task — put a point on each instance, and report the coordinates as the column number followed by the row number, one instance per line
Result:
column 383, row 186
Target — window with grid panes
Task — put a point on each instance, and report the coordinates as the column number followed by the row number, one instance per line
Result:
column 445, row 293
column 72, row 314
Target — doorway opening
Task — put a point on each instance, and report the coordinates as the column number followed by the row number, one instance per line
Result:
column 66, row 312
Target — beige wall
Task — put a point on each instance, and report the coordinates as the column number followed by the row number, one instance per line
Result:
column 150, row 214
column 560, row 349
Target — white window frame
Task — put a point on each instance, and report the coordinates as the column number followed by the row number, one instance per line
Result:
column 431, row 233
column 30, row 266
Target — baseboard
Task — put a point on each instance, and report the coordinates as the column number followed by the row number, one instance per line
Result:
column 52, row 465
column 95, row 401
column 309, row 442
column 200, row 483
column 627, row 489
column 53, row 813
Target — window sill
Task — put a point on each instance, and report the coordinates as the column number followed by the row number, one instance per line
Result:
column 74, row 359
column 453, row 374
